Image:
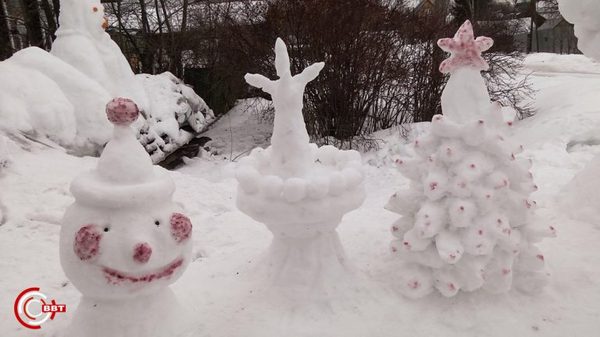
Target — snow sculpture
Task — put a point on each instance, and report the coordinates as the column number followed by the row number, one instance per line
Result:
column 124, row 241
column 299, row 191
column 466, row 218
column 81, row 41
column 584, row 15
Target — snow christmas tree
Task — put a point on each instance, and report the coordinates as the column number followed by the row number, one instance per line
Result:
column 124, row 241
column 467, row 216
column 298, row 190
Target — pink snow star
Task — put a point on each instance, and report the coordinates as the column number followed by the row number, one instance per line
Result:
column 465, row 50
column 122, row 111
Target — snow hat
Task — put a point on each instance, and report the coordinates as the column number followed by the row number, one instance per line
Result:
column 125, row 175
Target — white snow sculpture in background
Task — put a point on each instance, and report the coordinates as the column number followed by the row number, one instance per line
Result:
column 81, row 40
column 124, row 241
column 584, row 15
column 299, row 191
column 467, row 216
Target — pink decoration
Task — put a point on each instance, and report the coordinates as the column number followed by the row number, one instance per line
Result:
column 87, row 242
column 181, row 227
column 465, row 50
column 142, row 252
column 122, row 111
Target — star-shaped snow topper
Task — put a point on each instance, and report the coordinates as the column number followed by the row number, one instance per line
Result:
column 465, row 50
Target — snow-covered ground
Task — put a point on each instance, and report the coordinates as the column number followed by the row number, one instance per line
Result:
column 219, row 287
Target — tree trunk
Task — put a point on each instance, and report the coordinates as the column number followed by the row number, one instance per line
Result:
column 6, row 48
column 33, row 23
column 51, row 21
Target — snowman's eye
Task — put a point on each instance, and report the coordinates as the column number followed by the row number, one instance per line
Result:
column 95, row 9
column 106, row 229
column 157, row 223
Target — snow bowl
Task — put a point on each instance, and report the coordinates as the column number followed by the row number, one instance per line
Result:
column 301, row 207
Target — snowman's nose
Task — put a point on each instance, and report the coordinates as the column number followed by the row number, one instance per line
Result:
column 142, row 252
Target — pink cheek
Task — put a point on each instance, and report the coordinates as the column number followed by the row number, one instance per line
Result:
column 181, row 227
column 87, row 242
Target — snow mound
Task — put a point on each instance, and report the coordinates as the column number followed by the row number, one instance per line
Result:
column 175, row 108
column 34, row 104
column 555, row 63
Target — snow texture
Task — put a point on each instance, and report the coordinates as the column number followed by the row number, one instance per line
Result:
column 466, row 217
column 299, row 191
column 124, row 241
column 584, row 15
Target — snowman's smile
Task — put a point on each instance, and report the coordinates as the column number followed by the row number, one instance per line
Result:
column 114, row 276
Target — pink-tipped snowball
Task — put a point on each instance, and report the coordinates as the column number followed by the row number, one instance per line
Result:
column 122, row 111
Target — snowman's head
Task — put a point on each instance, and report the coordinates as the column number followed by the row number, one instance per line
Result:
column 124, row 236
column 117, row 253
column 83, row 16
column 97, row 22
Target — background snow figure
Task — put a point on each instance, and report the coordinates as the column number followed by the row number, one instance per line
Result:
column 124, row 241
column 299, row 191
column 81, row 41
column 466, row 218
column 584, row 15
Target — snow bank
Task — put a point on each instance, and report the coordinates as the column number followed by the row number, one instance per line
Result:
column 555, row 63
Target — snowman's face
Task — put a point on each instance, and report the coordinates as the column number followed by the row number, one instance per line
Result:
column 116, row 253
column 98, row 22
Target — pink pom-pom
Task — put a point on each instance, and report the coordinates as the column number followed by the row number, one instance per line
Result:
column 122, row 111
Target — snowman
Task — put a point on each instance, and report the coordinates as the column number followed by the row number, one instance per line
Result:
column 124, row 241
column 81, row 41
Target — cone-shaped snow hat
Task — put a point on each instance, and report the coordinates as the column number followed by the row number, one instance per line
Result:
column 125, row 176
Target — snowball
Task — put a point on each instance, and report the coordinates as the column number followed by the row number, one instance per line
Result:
column 248, row 178
column 318, row 187
column 435, row 185
column 446, row 282
column 272, row 186
column 352, row 177
column 294, row 189
column 403, row 202
column 425, row 145
column 413, row 241
column 449, row 246
column 337, row 184
column 451, row 151
column 401, row 226
column 328, row 154
column 410, row 168
column 462, row 212
column 460, row 187
column 478, row 240
column 430, row 219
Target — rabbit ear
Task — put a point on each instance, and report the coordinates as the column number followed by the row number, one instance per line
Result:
column 310, row 73
column 282, row 59
column 259, row 81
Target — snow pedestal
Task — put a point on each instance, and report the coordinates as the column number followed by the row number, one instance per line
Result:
column 124, row 240
column 299, row 191
column 467, row 217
